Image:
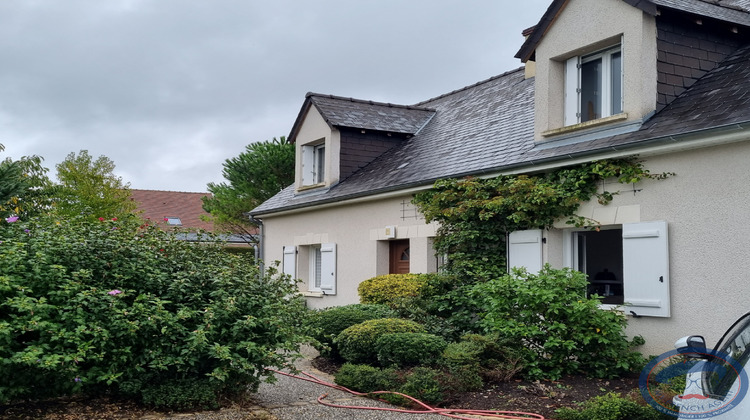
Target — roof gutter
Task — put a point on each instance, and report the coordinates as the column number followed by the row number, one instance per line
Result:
column 695, row 139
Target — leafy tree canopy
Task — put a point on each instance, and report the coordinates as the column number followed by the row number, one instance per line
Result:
column 90, row 188
column 257, row 174
column 25, row 188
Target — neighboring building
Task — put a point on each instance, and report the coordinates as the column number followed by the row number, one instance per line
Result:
column 665, row 80
column 183, row 211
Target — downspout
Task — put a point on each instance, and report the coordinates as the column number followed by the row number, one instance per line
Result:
column 259, row 246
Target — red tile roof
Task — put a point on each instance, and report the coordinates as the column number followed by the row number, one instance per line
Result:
column 156, row 205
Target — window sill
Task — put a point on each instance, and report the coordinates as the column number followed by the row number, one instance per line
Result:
column 311, row 187
column 312, row 294
column 588, row 124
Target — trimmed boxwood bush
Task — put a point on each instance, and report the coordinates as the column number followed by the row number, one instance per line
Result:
column 425, row 384
column 409, row 349
column 327, row 324
column 366, row 378
column 357, row 343
column 389, row 289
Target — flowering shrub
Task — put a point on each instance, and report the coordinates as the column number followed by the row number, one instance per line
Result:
column 93, row 306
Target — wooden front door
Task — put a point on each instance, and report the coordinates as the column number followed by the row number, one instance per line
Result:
column 399, row 254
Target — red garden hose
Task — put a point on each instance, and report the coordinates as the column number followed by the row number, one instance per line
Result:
column 447, row 412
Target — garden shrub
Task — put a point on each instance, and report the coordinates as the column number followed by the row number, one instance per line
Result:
column 492, row 358
column 181, row 395
column 409, row 349
column 390, row 288
column 559, row 329
column 424, row 384
column 327, row 324
column 106, row 305
column 442, row 306
column 611, row 406
column 357, row 343
column 366, row 378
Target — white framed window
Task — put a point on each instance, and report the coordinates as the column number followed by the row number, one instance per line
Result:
column 313, row 164
column 626, row 264
column 315, row 267
column 321, row 266
column 593, row 86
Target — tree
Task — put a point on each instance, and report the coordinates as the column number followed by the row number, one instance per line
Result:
column 90, row 188
column 25, row 189
column 257, row 174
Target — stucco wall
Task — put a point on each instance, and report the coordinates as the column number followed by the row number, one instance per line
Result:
column 313, row 129
column 706, row 205
column 359, row 233
column 585, row 26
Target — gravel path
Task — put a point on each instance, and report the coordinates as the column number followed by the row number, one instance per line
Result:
column 294, row 399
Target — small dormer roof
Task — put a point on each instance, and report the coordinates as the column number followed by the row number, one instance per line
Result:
column 732, row 11
column 344, row 112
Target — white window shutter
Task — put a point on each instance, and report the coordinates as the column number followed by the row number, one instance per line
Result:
column 290, row 261
column 645, row 260
column 308, row 165
column 328, row 268
column 571, row 91
column 525, row 250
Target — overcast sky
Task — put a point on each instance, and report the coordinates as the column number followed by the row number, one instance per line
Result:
column 169, row 89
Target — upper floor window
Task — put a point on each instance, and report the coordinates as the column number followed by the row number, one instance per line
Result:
column 313, row 164
column 593, row 86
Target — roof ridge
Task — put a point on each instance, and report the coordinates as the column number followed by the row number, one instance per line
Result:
column 471, row 86
column 368, row 102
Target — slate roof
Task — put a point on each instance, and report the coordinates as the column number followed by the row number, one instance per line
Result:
column 719, row 100
column 341, row 112
column 474, row 129
column 734, row 11
column 487, row 128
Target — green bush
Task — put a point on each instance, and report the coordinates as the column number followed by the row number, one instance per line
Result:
column 409, row 349
column 560, row 330
column 390, row 288
column 365, row 378
column 101, row 306
column 357, row 343
column 328, row 323
column 611, row 407
column 181, row 395
column 424, row 384
column 492, row 358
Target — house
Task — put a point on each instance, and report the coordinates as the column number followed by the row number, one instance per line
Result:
column 665, row 80
column 170, row 210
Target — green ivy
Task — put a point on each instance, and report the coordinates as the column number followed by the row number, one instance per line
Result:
column 475, row 214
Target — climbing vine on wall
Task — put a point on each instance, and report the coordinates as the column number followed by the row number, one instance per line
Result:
column 475, row 214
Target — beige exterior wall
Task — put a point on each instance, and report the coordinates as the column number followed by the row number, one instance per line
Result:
column 359, row 232
column 583, row 27
column 313, row 130
column 707, row 206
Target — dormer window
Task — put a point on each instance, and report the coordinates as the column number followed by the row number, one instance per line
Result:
column 313, row 164
column 593, row 86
